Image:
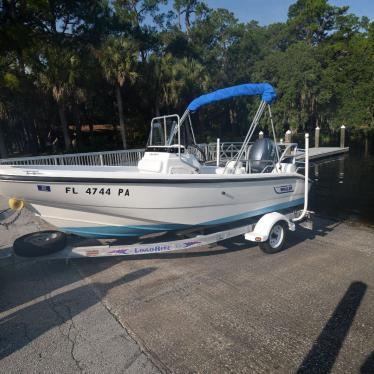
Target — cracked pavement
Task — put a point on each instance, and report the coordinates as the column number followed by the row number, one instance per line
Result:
column 225, row 308
column 52, row 319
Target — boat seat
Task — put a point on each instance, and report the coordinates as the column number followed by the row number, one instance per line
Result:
column 168, row 163
column 231, row 169
column 150, row 166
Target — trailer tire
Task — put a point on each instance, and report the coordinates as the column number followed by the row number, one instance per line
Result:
column 40, row 243
column 276, row 240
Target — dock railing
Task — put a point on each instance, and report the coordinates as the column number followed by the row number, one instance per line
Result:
column 227, row 150
column 131, row 157
column 128, row 157
column 111, row 158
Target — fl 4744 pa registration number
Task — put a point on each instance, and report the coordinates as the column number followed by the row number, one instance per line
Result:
column 117, row 191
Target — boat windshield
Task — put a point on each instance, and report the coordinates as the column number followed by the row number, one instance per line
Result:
column 167, row 131
column 163, row 131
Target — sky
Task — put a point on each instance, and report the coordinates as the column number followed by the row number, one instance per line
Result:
column 270, row 11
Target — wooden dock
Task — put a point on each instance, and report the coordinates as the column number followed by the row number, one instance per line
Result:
column 323, row 152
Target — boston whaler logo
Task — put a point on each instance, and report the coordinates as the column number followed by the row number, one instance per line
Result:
column 44, row 188
column 284, row 189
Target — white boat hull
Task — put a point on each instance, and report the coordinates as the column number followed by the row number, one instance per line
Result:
column 115, row 207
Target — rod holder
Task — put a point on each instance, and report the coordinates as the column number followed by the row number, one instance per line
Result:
column 218, row 151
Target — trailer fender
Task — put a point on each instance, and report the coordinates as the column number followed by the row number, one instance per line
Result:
column 264, row 225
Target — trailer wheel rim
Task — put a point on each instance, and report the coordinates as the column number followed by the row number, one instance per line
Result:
column 40, row 238
column 276, row 235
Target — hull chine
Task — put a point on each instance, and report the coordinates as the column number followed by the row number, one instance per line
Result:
column 107, row 231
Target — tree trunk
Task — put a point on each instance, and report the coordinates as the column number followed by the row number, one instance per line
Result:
column 3, row 150
column 157, row 107
column 366, row 148
column 179, row 20
column 32, row 138
column 64, row 124
column 187, row 19
column 121, row 116
column 28, row 148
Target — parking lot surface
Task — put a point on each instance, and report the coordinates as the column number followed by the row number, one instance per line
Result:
column 224, row 308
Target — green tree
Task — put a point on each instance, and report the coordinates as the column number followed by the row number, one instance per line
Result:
column 188, row 8
column 58, row 74
column 68, row 61
column 119, row 58
column 312, row 20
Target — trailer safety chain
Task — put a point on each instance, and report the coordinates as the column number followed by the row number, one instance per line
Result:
column 3, row 211
column 7, row 224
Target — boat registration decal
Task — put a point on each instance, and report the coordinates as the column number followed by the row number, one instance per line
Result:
column 44, row 188
column 284, row 189
column 97, row 191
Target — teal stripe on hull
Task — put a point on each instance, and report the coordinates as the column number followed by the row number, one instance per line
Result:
column 125, row 231
column 257, row 212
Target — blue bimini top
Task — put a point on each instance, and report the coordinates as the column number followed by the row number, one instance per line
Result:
column 266, row 90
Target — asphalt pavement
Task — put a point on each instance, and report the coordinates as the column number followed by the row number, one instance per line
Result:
column 223, row 308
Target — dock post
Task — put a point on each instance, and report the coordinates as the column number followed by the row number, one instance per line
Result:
column 342, row 136
column 288, row 136
column 316, row 137
column 261, row 135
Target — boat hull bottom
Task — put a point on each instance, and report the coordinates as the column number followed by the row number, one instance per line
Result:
column 91, row 225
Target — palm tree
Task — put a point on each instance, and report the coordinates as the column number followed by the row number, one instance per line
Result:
column 119, row 59
column 58, row 75
column 9, row 85
column 176, row 79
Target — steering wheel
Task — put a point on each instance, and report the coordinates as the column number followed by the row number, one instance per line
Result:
column 203, row 158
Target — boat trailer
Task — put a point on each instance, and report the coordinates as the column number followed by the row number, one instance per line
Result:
column 269, row 232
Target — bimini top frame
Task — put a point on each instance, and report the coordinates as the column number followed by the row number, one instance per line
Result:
column 266, row 91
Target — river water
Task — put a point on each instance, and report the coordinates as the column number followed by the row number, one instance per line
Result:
column 343, row 188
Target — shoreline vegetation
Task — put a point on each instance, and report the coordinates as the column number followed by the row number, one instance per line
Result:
column 88, row 75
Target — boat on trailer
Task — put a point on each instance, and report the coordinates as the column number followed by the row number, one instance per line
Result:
column 171, row 188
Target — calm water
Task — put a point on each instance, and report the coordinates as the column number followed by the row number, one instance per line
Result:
column 344, row 188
